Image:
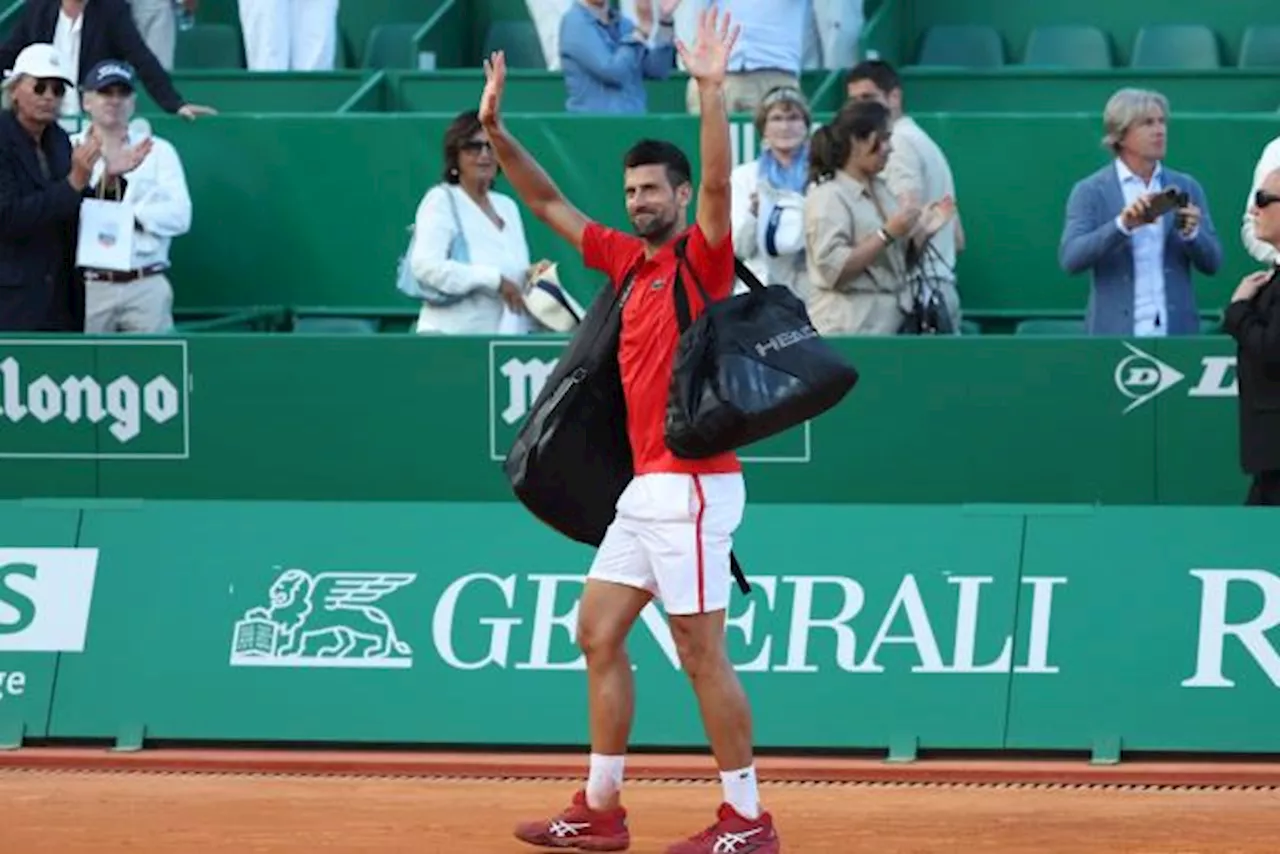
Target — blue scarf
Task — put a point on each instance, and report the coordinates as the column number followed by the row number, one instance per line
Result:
column 791, row 177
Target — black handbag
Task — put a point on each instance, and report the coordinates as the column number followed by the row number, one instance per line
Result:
column 571, row 459
column 750, row 367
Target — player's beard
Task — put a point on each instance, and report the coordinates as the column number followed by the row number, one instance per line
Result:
column 654, row 227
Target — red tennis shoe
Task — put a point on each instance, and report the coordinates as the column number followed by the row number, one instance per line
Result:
column 733, row 834
column 580, row 828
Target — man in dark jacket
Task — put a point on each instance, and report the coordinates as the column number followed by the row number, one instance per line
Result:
column 42, row 183
column 1253, row 319
column 106, row 30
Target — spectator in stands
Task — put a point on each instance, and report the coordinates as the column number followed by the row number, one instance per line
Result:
column 1261, row 250
column 917, row 169
column 469, row 243
column 1253, row 320
column 85, row 33
column 860, row 242
column 769, row 53
column 290, row 35
column 141, row 299
column 42, row 183
column 768, row 193
column 157, row 22
column 1139, row 253
column 606, row 57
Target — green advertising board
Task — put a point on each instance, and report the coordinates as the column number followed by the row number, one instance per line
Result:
column 46, row 593
column 400, row 417
column 893, row 628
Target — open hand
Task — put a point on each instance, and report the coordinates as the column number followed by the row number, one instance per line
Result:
column 126, row 160
column 709, row 58
column 495, row 79
column 937, row 215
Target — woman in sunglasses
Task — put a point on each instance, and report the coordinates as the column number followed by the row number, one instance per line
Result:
column 469, row 254
column 1253, row 320
column 42, row 182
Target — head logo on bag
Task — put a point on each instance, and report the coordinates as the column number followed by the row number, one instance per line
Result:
column 783, row 340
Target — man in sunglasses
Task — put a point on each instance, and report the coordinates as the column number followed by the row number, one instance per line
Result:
column 42, row 183
column 1253, row 319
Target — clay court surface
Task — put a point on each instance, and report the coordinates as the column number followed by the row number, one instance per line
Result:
column 158, row 812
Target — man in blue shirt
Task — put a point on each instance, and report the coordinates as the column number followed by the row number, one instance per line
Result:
column 607, row 57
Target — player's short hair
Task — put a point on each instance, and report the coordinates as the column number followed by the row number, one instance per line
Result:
column 878, row 72
column 651, row 152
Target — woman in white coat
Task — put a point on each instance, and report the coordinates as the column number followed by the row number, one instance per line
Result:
column 469, row 252
column 768, row 193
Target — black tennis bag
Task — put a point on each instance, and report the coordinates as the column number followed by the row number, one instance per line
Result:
column 749, row 367
column 571, row 459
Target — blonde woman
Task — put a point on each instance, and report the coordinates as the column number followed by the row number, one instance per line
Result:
column 768, row 193
column 861, row 242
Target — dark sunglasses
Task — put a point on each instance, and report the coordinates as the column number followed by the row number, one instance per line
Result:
column 44, row 84
column 476, row 145
column 1262, row 198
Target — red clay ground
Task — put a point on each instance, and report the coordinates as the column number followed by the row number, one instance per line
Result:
column 73, row 812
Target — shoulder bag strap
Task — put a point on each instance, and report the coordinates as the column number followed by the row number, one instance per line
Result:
column 683, row 315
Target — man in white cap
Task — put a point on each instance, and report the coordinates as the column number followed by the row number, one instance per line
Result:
column 42, row 183
column 139, row 299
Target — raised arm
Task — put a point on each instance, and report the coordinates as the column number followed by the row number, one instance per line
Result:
column 531, row 183
column 706, row 63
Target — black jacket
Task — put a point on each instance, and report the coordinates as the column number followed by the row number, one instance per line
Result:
column 108, row 32
column 40, row 289
column 1255, row 324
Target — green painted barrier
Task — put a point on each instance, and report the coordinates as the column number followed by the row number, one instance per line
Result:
column 399, row 417
column 1065, row 627
column 232, row 92
column 1028, row 90
column 281, row 199
column 46, row 587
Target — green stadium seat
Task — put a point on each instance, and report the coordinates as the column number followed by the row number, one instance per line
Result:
column 391, row 46
column 1068, row 46
column 1185, row 46
column 336, row 325
column 209, row 46
column 1210, row 326
column 1050, row 326
column 962, row 45
column 970, row 327
column 1260, row 47
column 519, row 40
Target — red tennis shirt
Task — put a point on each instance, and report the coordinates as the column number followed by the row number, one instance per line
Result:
column 650, row 333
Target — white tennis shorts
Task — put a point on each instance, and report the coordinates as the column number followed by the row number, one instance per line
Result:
column 671, row 535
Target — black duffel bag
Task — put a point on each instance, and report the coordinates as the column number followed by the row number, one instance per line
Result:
column 571, row 459
column 750, row 367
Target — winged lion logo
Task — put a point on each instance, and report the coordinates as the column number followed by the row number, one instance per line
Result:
column 324, row 620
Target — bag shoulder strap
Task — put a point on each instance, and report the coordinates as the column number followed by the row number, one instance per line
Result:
column 683, row 315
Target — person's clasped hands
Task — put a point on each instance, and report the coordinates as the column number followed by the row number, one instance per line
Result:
column 85, row 156
column 928, row 219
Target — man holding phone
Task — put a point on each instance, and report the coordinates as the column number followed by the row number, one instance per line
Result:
column 1139, row 227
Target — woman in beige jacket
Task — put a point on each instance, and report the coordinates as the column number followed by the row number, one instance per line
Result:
column 856, row 233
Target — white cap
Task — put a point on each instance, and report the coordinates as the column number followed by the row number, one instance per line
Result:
column 39, row 60
column 550, row 304
column 781, row 226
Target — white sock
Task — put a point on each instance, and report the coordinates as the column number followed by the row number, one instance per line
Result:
column 604, row 780
column 741, row 791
